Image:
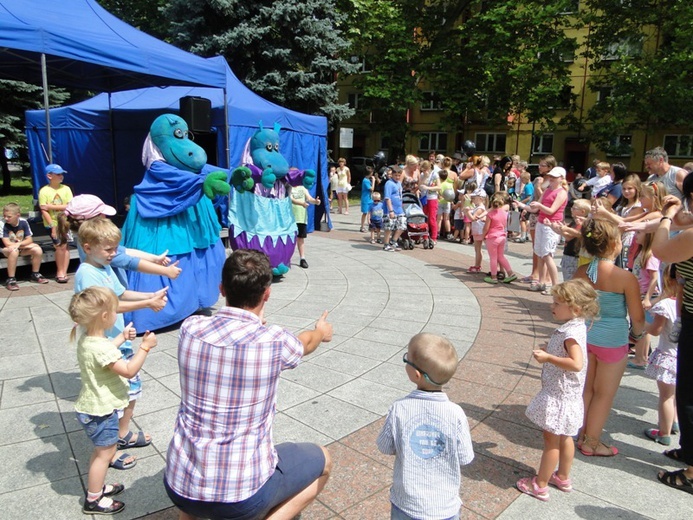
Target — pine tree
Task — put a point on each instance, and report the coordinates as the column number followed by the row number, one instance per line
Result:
column 286, row 51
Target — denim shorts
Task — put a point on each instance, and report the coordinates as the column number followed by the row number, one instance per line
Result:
column 299, row 465
column 101, row 429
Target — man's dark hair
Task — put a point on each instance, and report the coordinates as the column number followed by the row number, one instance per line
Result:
column 245, row 276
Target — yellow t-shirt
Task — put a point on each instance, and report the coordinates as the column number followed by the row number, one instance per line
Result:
column 48, row 195
column 102, row 389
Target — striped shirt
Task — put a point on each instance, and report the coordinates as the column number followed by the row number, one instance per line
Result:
column 222, row 449
column 685, row 270
column 429, row 435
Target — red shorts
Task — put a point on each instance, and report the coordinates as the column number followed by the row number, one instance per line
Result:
column 608, row 354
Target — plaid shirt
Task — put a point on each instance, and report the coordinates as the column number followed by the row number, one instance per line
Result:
column 230, row 364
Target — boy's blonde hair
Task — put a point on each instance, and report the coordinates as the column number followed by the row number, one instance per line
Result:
column 580, row 296
column 434, row 355
column 13, row 207
column 376, row 195
column 603, row 166
column 525, row 177
column 86, row 306
column 98, row 231
column 582, row 205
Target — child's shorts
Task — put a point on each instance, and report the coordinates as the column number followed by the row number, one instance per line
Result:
column 397, row 514
column 302, row 230
column 459, row 224
column 397, row 223
column 545, row 241
column 101, row 429
column 376, row 225
column 533, row 218
column 444, row 209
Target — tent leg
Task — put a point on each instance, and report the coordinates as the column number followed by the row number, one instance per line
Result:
column 44, row 77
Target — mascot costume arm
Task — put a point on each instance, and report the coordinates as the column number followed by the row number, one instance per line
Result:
column 172, row 209
column 260, row 215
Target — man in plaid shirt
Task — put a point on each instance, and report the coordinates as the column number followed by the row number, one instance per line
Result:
column 221, row 462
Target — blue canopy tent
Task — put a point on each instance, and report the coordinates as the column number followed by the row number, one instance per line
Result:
column 91, row 133
column 77, row 43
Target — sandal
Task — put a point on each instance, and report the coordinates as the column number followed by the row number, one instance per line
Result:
column 529, row 486
column 563, row 485
column 61, row 279
column 103, row 506
column 120, row 463
column 547, row 289
column 128, row 442
column 116, row 489
column 676, row 480
column 676, row 454
column 594, row 446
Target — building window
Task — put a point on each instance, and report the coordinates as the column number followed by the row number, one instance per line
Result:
column 572, row 7
column 620, row 146
column 354, row 101
column 431, row 102
column 542, row 144
column 604, row 93
column 492, row 143
column 679, row 145
column 433, row 141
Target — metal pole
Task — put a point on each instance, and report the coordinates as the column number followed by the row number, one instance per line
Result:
column 44, row 77
column 114, row 165
column 226, row 130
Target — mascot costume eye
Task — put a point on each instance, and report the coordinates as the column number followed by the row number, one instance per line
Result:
column 172, row 209
column 260, row 215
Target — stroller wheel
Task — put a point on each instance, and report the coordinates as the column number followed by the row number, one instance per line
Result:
column 430, row 244
column 425, row 244
column 411, row 244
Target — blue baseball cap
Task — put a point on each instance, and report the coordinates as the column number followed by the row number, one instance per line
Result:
column 55, row 169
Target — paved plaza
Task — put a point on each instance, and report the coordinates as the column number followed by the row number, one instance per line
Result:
column 339, row 395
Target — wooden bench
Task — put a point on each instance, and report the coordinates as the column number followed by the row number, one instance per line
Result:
column 49, row 251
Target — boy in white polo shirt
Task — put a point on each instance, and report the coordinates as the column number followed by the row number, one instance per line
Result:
column 429, row 436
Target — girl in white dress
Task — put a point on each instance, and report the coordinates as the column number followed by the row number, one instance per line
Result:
column 558, row 407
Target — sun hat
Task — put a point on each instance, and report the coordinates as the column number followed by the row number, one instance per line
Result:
column 55, row 169
column 479, row 192
column 85, row 207
column 557, row 171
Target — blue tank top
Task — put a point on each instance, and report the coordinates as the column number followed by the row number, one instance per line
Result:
column 611, row 329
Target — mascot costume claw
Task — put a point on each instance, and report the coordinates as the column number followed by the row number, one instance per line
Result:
column 172, row 209
column 260, row 214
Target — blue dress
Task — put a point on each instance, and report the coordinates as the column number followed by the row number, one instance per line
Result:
column 169, row 211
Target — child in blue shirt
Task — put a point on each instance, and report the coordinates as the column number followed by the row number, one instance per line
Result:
column 99, row 238
column 376, row 212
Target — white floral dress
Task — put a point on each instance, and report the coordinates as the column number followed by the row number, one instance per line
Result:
column 662, row 363
column 558, row 407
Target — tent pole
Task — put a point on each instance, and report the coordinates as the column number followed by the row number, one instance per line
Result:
column 226, row 130
column 113, row 152
column 44, row 78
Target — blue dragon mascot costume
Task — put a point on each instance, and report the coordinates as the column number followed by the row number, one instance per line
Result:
column 260, row 215
column 172, row 210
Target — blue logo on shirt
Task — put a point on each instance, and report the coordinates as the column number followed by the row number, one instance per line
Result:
column 427, row 441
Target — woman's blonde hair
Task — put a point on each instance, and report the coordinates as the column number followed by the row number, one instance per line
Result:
column 670, row 286
column 600, row 237
column 88, row 305
column 550, row 161
column 579, row 296
column 485, row 161
column 425, row 165
column 411, row 159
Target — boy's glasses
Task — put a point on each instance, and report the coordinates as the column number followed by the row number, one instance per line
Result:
column 426, row 376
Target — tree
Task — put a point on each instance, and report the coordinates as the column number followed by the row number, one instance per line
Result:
column 288, row 52
column 641, row 63
column 483, row 60
column 145, row 15
column 15, row 98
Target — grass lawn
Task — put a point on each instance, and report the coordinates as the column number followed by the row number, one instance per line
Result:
column 20, row 192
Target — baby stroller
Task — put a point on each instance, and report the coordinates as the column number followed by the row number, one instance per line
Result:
column 417, row 223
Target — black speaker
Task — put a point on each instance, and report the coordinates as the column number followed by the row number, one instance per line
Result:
column 197, row 112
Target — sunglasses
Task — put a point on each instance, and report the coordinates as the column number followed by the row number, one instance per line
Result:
column 426, row 376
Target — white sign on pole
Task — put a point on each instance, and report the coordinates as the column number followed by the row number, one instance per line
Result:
column 346, row 137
